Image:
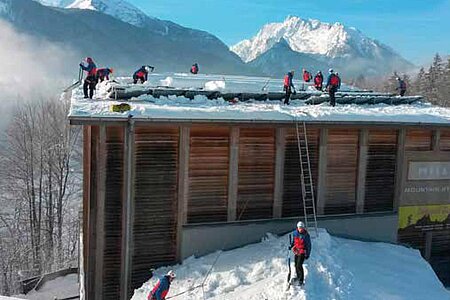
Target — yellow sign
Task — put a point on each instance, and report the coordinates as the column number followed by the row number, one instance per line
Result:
column 428, row 215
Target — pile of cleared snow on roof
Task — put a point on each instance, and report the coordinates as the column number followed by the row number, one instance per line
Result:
column 201, row 108
column 337, row 269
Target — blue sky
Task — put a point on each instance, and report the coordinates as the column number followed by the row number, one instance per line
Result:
column 415, row 28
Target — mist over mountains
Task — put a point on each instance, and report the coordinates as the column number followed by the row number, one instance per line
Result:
column 117, row 34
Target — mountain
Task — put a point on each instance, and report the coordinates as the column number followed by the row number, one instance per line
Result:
column 346, row 48
column 121, row 45
column 281, row 58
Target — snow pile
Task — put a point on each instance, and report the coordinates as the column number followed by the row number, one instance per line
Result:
column 62, row 287
column 338, row 269
column 214, row 85
column 166, row 82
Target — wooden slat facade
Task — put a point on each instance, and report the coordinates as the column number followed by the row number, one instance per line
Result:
column 292, row 191
column 155, row 201
column 418, row 140
column 342, row 170
column 380, row 171
column 445, row 140
column 174, row 187
column 208, row 174
column 256, row 173
column 112, row 215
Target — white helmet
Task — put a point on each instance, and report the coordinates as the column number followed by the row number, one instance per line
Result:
column 300, row 224
column 330, row 70
column 147, row 68
column 171, row 274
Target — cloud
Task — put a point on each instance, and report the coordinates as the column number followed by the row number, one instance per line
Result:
column 32, row 68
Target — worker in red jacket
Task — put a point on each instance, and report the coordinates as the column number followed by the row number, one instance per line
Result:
column 288, row 86
column 91, row 78
column 318, row 81
column 306, row 76
column 161, row 289
column 301, row 247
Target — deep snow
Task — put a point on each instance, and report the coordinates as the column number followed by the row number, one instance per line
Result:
column 338, row 269
column 148, row 107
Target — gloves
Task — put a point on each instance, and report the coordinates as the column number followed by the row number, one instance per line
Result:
column 306, row 256
column 81, row 65
column 290, row 247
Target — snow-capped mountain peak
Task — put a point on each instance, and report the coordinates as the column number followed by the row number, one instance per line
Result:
column 308, row 36
column 119, row 9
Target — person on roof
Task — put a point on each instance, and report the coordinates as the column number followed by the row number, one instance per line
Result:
column 318, row 81
column 339, row 78
column 288, row 86
column 306, row 76
column 91, row 78
column 103, row 74
column 161, row 289
column 194, row 69
column 301, row 247
column 333, row 83
column 142, row 74
column 401, row 86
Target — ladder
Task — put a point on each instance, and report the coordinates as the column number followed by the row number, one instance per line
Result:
column 306, row 179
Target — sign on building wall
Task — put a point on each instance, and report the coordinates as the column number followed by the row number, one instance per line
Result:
column 424, row 218
column 429, row 170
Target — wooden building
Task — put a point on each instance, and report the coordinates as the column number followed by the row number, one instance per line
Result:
column 163, row 185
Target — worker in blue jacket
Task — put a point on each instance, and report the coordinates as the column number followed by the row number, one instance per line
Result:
column 161, row 289
column 91, row 78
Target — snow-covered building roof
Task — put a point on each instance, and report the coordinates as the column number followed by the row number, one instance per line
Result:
column 199, row 108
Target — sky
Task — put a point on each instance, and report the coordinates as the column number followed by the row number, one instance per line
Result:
column 416, row 29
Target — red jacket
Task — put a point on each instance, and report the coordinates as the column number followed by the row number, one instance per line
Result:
column 302, row 242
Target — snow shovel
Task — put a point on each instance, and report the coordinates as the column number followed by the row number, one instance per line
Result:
column 80, row 77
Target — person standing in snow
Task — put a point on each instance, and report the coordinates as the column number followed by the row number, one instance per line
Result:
column 288, row 86
column 91, row 78
column 142, row 74
column 306, row 76
column 401, row 86
column 161, row 289
column 301, row 247
column 333, row 83
column 318, row 81
column 194, row 69
column 103, row 74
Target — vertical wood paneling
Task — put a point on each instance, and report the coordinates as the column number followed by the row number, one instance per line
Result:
column 113, row 213
column 444, row 144
column 208, row 174
column 256, row 173
column 155, row 201
column 292, row 189
column 342, row 170
column 380, row 173
column 418, row 140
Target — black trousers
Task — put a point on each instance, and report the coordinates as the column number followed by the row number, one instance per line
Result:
column 402, row 93
column 332, row 92
column 287, row 97
column 299, row 259
column 90, row 82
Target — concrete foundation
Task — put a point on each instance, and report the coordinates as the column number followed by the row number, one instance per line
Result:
column 198, row 240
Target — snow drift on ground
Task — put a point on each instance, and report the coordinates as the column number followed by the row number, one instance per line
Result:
column 338, row 269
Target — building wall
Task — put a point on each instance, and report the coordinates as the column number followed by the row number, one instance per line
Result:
column 157, row 193
column 199, row 240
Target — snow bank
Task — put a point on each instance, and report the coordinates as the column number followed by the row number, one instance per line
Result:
column 338, row 269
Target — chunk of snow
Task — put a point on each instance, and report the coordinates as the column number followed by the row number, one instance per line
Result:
column 214, row 85
column 166, row 82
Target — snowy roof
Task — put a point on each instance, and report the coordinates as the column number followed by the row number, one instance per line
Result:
column 201, row 109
